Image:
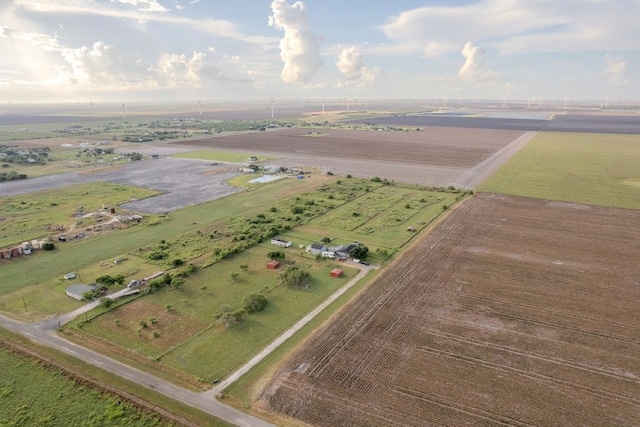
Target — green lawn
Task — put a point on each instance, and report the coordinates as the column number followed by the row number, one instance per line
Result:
column 596, row 169
column 188, row 338
column 220, row 156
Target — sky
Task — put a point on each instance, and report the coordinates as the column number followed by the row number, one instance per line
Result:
column 158, row 50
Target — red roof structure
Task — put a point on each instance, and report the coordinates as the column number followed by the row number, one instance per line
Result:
column 336, row 272
column 273, row 265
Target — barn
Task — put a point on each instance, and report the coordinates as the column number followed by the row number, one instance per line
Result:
column 336, row 272
column 273, row 265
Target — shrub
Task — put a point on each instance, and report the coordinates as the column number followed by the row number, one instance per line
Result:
column 48, row 246
column 157, row 255
column 177, row 262
column 255, row 303
column 105, row 302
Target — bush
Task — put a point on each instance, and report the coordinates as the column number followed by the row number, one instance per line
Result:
column 48, row 246
column 177, row 262
column 276, row 255
column 255, row 303
column 105, row 302
column 157, row 255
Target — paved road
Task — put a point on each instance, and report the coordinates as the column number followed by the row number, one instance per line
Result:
column 44, row 333
column 202, row 401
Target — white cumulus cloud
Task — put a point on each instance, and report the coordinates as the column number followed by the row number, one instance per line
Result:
column 616, row 69
column 300, row 47
column 180, row 70
column 143, row 5
column 474, row 68
column 352, row 67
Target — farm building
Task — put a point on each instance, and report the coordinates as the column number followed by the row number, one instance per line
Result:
column 344, row 250
column 272, row 265
column 281, row 243
column 76, row 291
column 336, row 272
column 316, row 248
column 70, row 276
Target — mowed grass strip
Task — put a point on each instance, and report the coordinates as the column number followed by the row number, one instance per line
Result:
column 594, row 169
column 221, row 156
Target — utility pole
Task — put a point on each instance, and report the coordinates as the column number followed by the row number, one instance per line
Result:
column 25, row 305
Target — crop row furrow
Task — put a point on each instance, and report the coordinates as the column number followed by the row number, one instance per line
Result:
column 531, row 375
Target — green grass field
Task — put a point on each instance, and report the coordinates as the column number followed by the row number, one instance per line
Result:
column 595, row 169
column 220, row 156
column 32, row 216
column 32, row 394
column 175, row 328
column 187, row 337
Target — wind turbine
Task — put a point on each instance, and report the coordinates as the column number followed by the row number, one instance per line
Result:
column 323, row 106
column 272, row 108
column 566, row 102
column 91, row 102
column 123, row 115
column 200, row 107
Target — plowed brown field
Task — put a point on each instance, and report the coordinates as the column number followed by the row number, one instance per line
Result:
column 432, row 146
column 514, row 311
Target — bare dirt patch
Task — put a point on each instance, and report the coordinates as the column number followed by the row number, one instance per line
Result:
column 512, row 312
column 449, row 147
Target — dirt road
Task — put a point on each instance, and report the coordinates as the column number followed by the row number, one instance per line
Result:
column 289, row 332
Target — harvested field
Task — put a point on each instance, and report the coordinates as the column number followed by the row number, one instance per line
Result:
column 431, row 146
column 514, row 311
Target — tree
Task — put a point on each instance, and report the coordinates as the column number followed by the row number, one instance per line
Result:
column 255, row 303
column 48, row 246
column 276, row 255
column 88, row 295
column 105, row 302
column 106, row 280
column 233, row 276
column 229, row 317
column 359, row 252
column 293, row 277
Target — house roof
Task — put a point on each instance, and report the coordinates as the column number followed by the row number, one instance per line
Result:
column 79, row 289
column 318, row 246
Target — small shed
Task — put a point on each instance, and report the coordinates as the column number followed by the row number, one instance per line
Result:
column 76, row 291
column 336, row 272
column 411, row 228
column 70, row 276
column 273, row 265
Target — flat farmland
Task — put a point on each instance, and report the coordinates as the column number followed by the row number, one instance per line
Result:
column 514, row 311
column 448, row 147
column 595, row 169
